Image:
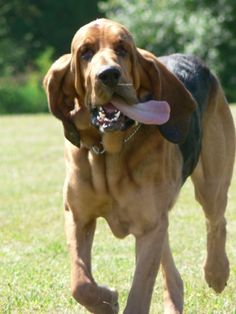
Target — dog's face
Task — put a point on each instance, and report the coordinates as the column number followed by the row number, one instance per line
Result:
column 106, row 82
column 103, row 66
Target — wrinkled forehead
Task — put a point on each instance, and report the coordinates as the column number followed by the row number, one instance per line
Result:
column 103, row 31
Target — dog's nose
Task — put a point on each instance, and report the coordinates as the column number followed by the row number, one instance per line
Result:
column 109, row 75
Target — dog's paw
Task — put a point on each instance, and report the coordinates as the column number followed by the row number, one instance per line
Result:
column 113, row 303
column 217, row 272
column 108, row 303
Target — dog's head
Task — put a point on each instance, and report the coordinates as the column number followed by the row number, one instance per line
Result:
column 108, row 83
column 103, row 66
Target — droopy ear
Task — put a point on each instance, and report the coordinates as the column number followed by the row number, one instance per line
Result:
column 163, row 85
column 60, row 90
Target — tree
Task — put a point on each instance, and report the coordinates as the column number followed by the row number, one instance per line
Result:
column 28, row 27
column 32, row 34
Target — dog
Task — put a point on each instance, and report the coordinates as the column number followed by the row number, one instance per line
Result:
column 136, row 126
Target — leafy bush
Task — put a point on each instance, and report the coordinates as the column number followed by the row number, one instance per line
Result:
column 204, row 28
column 27, row 96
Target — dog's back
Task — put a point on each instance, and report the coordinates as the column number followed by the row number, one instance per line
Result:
column 200, row 82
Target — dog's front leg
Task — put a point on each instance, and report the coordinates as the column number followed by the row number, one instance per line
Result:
column 148, row 255
column 97, row 299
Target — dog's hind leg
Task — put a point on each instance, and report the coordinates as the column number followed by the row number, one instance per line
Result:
column 173, row 284
column 211, row 180
column 213, row 199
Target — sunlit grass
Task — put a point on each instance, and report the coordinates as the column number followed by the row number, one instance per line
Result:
column 34, row 264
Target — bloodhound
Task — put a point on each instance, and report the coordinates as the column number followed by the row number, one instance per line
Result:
column 136, row 127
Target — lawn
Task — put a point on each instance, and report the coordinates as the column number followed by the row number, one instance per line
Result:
column 34, row 263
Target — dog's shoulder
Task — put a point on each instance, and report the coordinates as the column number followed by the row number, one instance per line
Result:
column 198, row 80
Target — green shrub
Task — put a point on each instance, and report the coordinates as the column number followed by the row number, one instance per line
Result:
column 26, row 98
column 206, row 29
column 26, row 95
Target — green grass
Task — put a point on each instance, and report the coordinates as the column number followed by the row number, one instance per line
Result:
column 34, row 264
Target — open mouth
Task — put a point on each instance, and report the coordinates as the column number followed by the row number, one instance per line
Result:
column 108, row 118
column 118, row 116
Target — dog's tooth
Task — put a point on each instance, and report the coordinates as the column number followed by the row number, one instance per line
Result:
column 117, row 114
column 102, row 114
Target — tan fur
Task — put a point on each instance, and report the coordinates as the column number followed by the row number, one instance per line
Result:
column 133, row 185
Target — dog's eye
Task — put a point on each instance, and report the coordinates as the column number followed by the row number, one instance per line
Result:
column 121, row 51
column 87, row 54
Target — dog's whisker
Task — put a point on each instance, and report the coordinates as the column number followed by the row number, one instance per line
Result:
column 125, row 84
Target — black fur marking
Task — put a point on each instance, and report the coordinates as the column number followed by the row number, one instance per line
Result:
column 197, row 78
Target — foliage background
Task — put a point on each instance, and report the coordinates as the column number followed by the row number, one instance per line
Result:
column 205, row 28
column 32, row 34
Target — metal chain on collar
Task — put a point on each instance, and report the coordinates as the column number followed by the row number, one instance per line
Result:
column 100, row 150
column 133, row 134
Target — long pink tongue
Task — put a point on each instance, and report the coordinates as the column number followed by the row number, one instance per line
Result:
column 149, row 112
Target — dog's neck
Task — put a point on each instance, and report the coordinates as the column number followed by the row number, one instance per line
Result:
column 112, row 142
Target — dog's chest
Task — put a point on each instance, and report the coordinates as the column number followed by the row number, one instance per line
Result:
column 129, row 193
